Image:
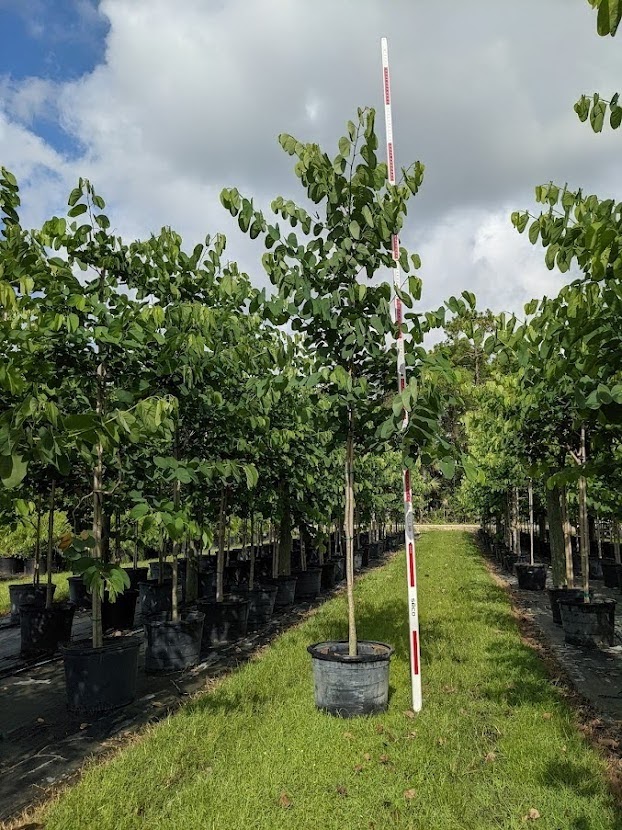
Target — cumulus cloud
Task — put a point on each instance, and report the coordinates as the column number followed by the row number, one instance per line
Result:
column 190, row 97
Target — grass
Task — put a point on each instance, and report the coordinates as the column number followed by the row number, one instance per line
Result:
column 495, row 739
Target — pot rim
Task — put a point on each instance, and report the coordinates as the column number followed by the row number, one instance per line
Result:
column 593, row 603
column 225, row 601
column 84, row 648
column 187, row 617
column 314, row 651
column 63, row 605
column 538, row 565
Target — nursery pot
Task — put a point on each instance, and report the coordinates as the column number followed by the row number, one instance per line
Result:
column 329, row 569
column 340, row 568
column 365, row 555
column 78, row 593
column 137, row 575
column 375, row 550
column 207, row 584
column 555, row 594
column 100, row 679
column 588, row 624
column 611, row 573
column 32, row 594
column 154, row 598
column 531, row 577
column 10, row 566
column 260, row 605
column 349, row 686
column 358, row 561
column 286, row 591
column 173, row 646
column 42, row 629
column 224, row 621
column 120, row 613
column 595, row 569
column 509, row 560
column 309, row 583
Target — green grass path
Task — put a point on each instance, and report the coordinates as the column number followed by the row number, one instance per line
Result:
column 494, row 741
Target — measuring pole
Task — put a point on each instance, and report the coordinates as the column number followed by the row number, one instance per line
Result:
column 409, row 531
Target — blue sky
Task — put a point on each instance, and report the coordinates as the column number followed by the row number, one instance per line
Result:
column 55, row 40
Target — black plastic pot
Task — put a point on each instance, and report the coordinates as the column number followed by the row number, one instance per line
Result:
column 11, row 566
column 99, row 680
column 154, row 573
column 137, row 575
column 588, row 624
column 531, row 577
column 154, row 598
column 260, row 605
column 611, row 573
column 348, row 686
column 340, row 568
column 207, row 584
column 308, row 584
column 78, row 593
column 365, row 555
column 509, row 560
column 119, row 615
column 375, row 550
column 286, row 591
column 329, row 569
column 173, row 646
column 595, row 569
column 225, row 621
column 44, row 629
column 555, row 594
column 32, row 594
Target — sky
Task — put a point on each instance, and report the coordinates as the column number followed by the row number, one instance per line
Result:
column 162, row 104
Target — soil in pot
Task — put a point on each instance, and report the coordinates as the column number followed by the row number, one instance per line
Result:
column 99, row 680
column 286, row 591
column 11, row 566
column 154, row 598
column 260, row 605
column 308, row 583
column 329, row 569
column 32, row 594
column 588, row 624
column 173, row 646
column 119, row 615
column 225, row 621
column 349, row 686
column 78, row 593
column 531, row 577
column 137, row 575
column 611, row 573
column 44, row 629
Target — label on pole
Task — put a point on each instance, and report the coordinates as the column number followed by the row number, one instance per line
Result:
column 409, row 531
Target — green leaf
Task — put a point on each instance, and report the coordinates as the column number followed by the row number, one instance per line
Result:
column 77, row 210
column 534, row 232
column 608, row 19
column 355, row 229
column 19, row 468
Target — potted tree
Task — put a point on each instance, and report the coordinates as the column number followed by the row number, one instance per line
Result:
column 345, row 322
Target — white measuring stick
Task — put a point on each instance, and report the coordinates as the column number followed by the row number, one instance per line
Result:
column 409, row 531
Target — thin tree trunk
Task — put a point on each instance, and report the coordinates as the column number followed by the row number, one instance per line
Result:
column 161, row 557
column 556, row 536
column 135, row 558
column 176, row 546
column 36, row 576
column 220, row 561
column 583, row 523
column 285, row 540
column 96, row 600
column 616, row 540
column 349, row 523
column 599, row 539
column 567, row 539
column 48, row 593
column 531, row 521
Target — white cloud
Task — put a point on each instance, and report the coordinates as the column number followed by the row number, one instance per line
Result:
column 191, row 96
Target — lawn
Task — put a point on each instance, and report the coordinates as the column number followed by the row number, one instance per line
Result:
column 494, row 747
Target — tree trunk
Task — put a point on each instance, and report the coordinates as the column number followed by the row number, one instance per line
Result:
column 135, row 558
column 285, row 540
column 556, row 536
column 192, row 570
column 567, row 540
column 220, row 561
column 36, row 576
column 531, row 521
column 176, row 546
column 615, row 532
column 516, row 522
column 48, row 593
column 349, row 524
column 584, row 525
column 96, row 600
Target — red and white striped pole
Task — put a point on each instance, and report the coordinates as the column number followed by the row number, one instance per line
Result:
column 409, row 531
